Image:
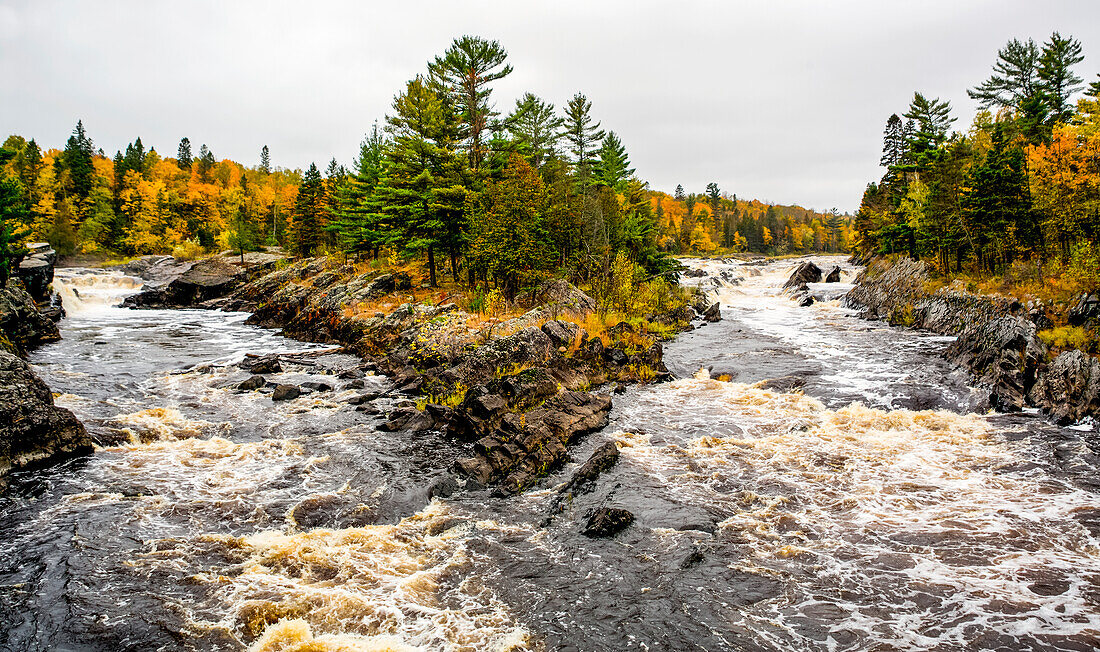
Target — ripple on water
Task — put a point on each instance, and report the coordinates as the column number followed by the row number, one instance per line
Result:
column 902, row 529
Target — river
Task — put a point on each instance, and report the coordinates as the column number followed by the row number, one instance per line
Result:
column 879, row 508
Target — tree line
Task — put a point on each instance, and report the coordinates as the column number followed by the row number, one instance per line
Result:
column 1021, row 185
column 489, row 198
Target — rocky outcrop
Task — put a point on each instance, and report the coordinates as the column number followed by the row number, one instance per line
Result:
column 22, row 325
column 834, row 275
column 36, row 269
column 997, row 337
column 1003, row 354
column 1069, row 390
column 210, row 278
column 33, row 430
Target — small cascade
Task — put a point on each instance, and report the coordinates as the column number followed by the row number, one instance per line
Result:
column 88, row 290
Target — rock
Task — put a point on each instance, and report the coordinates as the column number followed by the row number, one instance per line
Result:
column 806, row 301
column 176, row 286
column 560, row 297
column 561, row 333
column 1005, row 355
column 806, row 272
column 387, row 283
column 254, row 382
column 317, row 386
column 285, row 393
column 1086, row 309
column 784, row 384
column 713, row 313
column 32, row 429
column 694, row 273
column 265, row 364
column 602, row 459
column 1069, row 390
column 37, row 274
column 834, row 275
column 607, row 521
column 22, row 325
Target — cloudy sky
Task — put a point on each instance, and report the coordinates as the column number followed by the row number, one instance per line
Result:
column 779, row 100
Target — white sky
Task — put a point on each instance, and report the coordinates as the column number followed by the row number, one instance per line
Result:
column 780, row 100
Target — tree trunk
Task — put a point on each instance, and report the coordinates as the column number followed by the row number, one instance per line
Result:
column 431, row 266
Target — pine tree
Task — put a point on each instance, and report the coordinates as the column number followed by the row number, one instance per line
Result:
column 422, row 194
column 581, row 134
column 893, row 143
column 1056, row 74
column 679, row 194
column 183, row 155
column 265, row 160
column 466, row 69
column 206, row 164
column 932, row 119
column 309, row 212
column 1015, row 77
column 13, row 216
column 357, row 227
column 612, row 168
column 77, row 160
column 536, row 128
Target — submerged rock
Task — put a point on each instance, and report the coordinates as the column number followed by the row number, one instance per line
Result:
column 32, row 429
column 608, row 521
column 285, row 393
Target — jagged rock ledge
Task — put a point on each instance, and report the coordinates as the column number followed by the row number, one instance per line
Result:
column 997, row 338
column 519, row 391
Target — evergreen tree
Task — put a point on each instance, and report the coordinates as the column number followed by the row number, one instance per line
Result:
column 535, row 127
column 679, row 194
column 309, row 212
column 1055, row 72
column 183, row 155
column 932, row 119
column 467, row 69
column 581, row 133
column 357, row 227
column 893, row 143
column 13, row 216
column 612, row 167
column 1015, row 77
column 77, row 161
column 421, row 194
column 206, row 164
column 1094, row 87
column 265, row 160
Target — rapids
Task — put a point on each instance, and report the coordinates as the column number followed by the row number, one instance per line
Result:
column 877, row 508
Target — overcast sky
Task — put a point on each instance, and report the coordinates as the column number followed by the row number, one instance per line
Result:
column 783, row 101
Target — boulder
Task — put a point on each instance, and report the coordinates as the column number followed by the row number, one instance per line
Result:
column 560, row 297
column 1069, row 390
column 206, row 279
column 285, row 393
column 251, row 383
column 807, row 272
column 602, row 459
column 607, row 521
column 32, row 429
column 713, row 312
column 834, row 275
column 22, row 325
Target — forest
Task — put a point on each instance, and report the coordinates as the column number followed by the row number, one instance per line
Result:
column 491, row 198
column 1017, row 195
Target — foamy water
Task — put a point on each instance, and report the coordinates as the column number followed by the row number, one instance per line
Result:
column 214, row 519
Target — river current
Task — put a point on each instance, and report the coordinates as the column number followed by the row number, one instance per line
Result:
column 875, row 506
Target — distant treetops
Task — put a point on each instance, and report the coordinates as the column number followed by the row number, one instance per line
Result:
column 491, row 198
column 1023, row 184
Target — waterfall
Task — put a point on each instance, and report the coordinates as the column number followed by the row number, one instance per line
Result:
column 84, row 291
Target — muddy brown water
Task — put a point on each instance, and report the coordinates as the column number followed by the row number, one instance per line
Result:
column 877, row 509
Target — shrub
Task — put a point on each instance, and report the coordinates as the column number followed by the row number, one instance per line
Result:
column 1066, row 337
column 188, row 250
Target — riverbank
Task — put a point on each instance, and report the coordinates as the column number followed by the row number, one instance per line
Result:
column 1002, row 341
